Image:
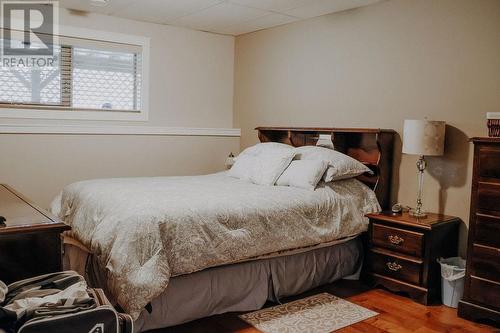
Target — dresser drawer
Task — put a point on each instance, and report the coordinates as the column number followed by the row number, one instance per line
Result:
column 488, row 195
column 401, row 240
column 489, row 162
column 487, row 230
column 485, row 292
column 396, row 267
column 485, row 262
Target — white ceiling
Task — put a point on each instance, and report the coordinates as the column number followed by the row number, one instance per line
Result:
column 231, row 17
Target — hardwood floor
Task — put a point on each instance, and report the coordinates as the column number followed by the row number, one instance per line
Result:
column 397, row 314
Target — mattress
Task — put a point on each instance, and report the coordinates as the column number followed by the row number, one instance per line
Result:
column 144, row 231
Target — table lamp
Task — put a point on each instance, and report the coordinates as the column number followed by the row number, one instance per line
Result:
column 423, row 138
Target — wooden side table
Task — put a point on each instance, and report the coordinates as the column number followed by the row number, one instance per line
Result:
column 30, row 240
column 402, row 252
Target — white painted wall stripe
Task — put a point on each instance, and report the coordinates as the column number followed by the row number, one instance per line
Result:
column 118, row 130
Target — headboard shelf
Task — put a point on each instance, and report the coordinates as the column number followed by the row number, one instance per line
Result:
column 325, row 129
column 371, row 146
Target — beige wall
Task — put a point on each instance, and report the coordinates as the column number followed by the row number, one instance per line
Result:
column 41, row 165
column 374, row 67
column 191, row 85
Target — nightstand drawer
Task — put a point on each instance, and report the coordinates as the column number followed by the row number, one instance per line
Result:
column 485, row 262
column 400, row 240
column 395, row 266
column 485, row 292
column 487, row 230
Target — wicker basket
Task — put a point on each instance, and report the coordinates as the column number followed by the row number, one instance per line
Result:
column 494, row 128
column 493, row 124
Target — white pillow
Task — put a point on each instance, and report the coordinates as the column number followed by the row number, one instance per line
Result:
column 266, row 148
column 263, row 164
column 303, row 173
column 340, row 166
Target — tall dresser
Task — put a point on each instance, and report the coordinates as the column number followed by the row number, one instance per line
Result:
column 481, row 300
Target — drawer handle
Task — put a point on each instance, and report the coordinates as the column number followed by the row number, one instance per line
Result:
column 394, row 266
column 396, row 240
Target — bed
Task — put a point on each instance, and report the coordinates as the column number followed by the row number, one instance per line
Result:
column 173, row 249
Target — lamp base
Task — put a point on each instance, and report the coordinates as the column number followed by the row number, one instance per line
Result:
column 417, row 214
column 417, row 211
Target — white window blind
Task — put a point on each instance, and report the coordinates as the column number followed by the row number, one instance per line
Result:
column 106, row 79
column 88, row 75
column 30, row 85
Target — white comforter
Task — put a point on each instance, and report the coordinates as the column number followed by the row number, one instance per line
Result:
column 146, row 230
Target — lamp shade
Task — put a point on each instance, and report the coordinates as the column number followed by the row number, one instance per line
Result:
column 423, row 137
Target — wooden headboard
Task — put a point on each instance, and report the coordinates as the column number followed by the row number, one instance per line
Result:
column 372, row 147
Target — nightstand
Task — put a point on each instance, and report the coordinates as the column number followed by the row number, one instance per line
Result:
column 402, row 251
column 30, row 239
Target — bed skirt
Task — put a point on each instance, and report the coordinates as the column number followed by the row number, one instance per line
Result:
column 237, row 287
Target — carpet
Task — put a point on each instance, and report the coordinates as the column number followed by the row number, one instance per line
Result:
column 322, row 313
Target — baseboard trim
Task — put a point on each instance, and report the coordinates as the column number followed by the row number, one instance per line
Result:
column 118, row 130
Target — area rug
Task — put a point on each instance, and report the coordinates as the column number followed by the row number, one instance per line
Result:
column 322, row 313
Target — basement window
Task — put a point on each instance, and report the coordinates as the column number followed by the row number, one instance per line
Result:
column 88, row 78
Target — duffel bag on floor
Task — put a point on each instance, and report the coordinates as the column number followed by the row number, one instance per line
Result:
column 59, row 302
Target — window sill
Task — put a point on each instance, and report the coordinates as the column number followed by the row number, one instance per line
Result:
column 27, row 113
